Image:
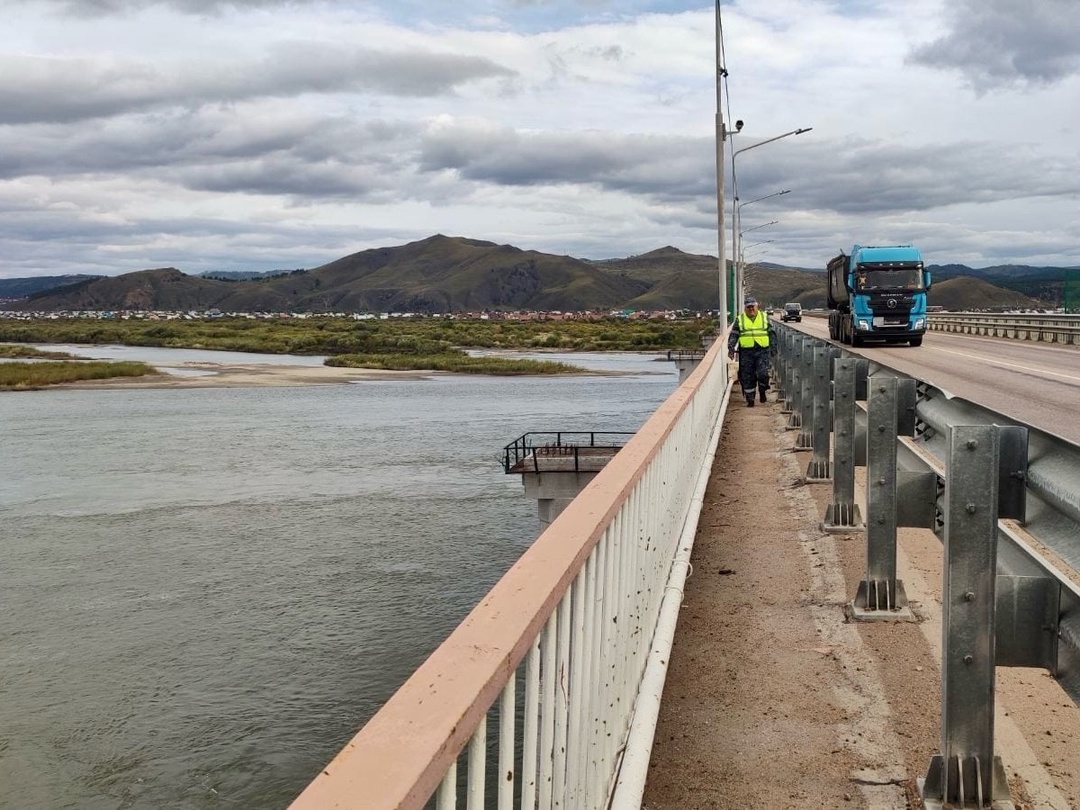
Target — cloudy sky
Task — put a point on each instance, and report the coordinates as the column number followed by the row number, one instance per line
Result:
column 276, row 134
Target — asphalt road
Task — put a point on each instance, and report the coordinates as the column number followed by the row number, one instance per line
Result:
column 1034, row 383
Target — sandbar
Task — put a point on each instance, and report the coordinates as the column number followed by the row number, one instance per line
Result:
column 247, row 375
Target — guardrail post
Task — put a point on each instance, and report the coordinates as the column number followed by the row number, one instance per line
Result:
column 966, row 770
column 794, row 388
column 819, row 468
column 805, row 439
column 881, row 595
column 842, row 515
column 781, row 360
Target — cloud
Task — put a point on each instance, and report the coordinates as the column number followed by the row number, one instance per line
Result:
column 1004, row 43
column 94, row 8
column 267, row 135
column 36, row 89
column 662, row 167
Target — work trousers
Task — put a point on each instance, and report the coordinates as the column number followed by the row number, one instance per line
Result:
column 753, row 369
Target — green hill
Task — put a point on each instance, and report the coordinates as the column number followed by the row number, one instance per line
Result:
column 454, row 274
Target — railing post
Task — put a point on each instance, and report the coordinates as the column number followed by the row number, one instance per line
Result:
column 881, row 595
column 794, row 388
column 966, row 770
column 805, row 439
column 842, row 515
column 779, row 366
column 819, row 468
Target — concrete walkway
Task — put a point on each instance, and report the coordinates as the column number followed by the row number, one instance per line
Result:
column 774, row 700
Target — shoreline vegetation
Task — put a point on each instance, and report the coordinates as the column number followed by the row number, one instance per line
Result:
column 376, row 345
column 20, row 376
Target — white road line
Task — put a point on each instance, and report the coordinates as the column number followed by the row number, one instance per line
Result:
column 1003, row 364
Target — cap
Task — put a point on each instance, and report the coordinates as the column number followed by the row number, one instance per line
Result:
column 749, row 300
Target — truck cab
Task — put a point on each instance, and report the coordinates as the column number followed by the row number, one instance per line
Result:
column 792, row 312
column 878, row 294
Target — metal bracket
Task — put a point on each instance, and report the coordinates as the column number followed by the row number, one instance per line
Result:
column 1026, row 621
column 875, row 600
column 940, row 781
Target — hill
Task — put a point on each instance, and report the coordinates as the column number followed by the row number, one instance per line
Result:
column 454, row 274
column 969, row 292
column 1046, row 284
column 12, row 289
column 674, row 279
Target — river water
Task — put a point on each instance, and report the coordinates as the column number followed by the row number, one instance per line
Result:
column 207, row 591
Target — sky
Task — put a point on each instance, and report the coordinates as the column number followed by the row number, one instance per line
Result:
column 276, row 134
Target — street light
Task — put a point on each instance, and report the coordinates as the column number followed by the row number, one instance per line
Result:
column 759, row 199
column 738, row 206
column 734, row 212
column 752, row 246
column 755, row 244
column 766, row 225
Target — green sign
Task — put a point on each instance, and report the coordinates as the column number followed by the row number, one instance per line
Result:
column 1071, row 292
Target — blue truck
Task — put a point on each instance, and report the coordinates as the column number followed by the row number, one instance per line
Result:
column 878, row 293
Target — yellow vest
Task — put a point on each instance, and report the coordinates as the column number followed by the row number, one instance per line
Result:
column 753, row 332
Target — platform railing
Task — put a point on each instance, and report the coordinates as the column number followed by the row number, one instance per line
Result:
column 546, row 694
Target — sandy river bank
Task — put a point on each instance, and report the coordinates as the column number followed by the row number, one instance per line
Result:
column 246, row 375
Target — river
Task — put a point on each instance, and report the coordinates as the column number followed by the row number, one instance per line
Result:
column 207, row 591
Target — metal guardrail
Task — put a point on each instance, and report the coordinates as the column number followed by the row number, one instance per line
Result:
column 1047, row 328
column 1003, row 496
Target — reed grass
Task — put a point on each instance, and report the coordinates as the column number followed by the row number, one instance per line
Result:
column 459, row 363
column 16, row 350
column 17, row 376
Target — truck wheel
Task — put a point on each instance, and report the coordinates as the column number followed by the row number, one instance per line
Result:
column 916, row 341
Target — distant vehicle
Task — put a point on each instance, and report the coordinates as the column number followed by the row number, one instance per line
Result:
column 792, row 312
column 878, row 293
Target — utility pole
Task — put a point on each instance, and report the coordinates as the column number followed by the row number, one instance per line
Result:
column 721, row 136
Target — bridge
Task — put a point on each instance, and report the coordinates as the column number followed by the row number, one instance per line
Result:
column 918, row 516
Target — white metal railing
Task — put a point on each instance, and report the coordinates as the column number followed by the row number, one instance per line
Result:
column 557, row 651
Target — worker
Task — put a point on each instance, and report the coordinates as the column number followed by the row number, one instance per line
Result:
column 752, row 334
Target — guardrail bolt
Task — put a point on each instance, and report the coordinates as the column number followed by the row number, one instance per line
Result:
column 968, row 658
column 969, row 596
column 972, row 444
column 972, row 508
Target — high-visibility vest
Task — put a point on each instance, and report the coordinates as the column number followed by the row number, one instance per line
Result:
column 753, row 331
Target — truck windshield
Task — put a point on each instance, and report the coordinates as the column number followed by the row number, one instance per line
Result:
column 893, row 278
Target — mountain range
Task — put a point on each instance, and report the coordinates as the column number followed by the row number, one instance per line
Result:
column 454, row 274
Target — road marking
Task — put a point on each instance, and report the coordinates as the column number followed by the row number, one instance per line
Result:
column 1008, row 365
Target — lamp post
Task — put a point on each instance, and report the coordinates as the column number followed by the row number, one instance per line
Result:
column 734, row 231
column 747, row 230
column 738, row 206
column 751, row 246
column 742, row 250
column 721, row 136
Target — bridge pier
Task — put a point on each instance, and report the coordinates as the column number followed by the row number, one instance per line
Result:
column 556, row 467
column 553, row 491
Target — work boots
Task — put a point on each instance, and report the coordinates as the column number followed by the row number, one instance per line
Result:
column 761, row 393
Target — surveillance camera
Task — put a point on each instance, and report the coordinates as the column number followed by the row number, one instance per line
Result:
column 738, row 125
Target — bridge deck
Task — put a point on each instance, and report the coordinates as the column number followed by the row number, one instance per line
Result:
column 774, row 700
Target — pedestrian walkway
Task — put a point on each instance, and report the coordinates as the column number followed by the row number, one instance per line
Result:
column 774, row 700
